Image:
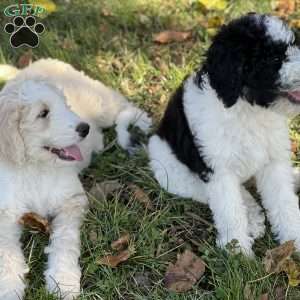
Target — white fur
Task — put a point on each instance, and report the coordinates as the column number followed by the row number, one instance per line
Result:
column 7, row 72
column 94, row 102
column 238, row 143
column 34, row 180
column 278, row 31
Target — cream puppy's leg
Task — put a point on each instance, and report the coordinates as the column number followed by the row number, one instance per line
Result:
column 12, row 262
column 63, row 272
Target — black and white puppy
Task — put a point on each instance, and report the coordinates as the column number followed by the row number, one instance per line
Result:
column 229, row 122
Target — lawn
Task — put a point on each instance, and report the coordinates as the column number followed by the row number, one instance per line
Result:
column 112, row 40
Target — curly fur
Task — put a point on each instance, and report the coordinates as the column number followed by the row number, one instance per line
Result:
column 229, row 122
column 34, row 179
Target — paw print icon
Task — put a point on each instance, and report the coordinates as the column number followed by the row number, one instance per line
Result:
column 24, row 32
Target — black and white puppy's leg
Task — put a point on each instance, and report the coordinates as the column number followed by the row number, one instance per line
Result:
column 256, row 217
column 12, row 262
column 276, row 185
column 63, row 273
column 229, row 210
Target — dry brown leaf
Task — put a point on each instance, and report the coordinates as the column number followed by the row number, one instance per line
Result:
column 185, row 273
column 114, row 260
column 169, row 36
column 103, row 28
column 248, row 292
column 103, row 189
column 284, row 7
column 214, row 4
column 280, row 293
column 141, row 196
column 264, row 296
column 121, row 243
column 294, row 146
column 292, row 270
column 275, row 258
column 279, row 260
column 68, row 44
column 106, row 12
column 295, row 23
column 25, row 59
column 215, row 22
column 35, row 221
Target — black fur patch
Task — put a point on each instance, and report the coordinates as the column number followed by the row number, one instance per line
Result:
column 175, row 130
column 244, row 62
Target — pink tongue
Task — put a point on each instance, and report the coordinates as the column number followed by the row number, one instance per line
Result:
column 295, row 94
column 74, row 152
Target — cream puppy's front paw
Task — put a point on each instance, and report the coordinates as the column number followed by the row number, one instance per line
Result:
column 65, row 284
column 11, row 289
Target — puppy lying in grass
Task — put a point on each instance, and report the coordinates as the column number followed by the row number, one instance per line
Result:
column 50, row 122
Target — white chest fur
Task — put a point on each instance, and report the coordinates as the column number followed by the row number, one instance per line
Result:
column 242, row 138
column 41, row 189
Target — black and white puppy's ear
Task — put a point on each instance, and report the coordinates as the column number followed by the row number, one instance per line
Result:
column 224, row 65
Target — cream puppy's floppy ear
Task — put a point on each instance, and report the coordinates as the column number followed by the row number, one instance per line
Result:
column 11, row 143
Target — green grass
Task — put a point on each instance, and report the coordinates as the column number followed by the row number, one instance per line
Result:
column 111, row 40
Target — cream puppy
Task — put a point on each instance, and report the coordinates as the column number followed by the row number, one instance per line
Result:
column 50, row 122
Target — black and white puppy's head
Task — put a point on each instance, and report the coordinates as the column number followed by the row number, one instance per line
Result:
column 255, row 58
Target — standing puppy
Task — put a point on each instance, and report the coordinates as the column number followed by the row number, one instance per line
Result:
column 229, row 122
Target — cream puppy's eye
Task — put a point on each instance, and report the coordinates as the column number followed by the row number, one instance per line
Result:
column 43, row 114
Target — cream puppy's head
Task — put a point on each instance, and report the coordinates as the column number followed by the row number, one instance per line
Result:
column 37, row 126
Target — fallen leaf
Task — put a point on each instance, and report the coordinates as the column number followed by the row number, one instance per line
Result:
column 215, row 22
column 103, row 189
column 214, row 4
column 294, row 23
column 144, row 19
column 35, row 221
column 284, row 8
column 106, row 12
column 114, row 260
column 49, row 5
column 25, row 59
column 275, row 258
column 103, row 28
column 121, row 242
column 181, row 276
column 280, row 293
column 68, row 44
column 294, row 146
column 212, row 31
column 248, row 292
column 169, row 36
column 264, row 296
column 141, row 196
column 279, row 260
column 292, row 270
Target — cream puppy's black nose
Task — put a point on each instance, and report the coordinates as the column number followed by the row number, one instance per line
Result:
column 83, row 129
